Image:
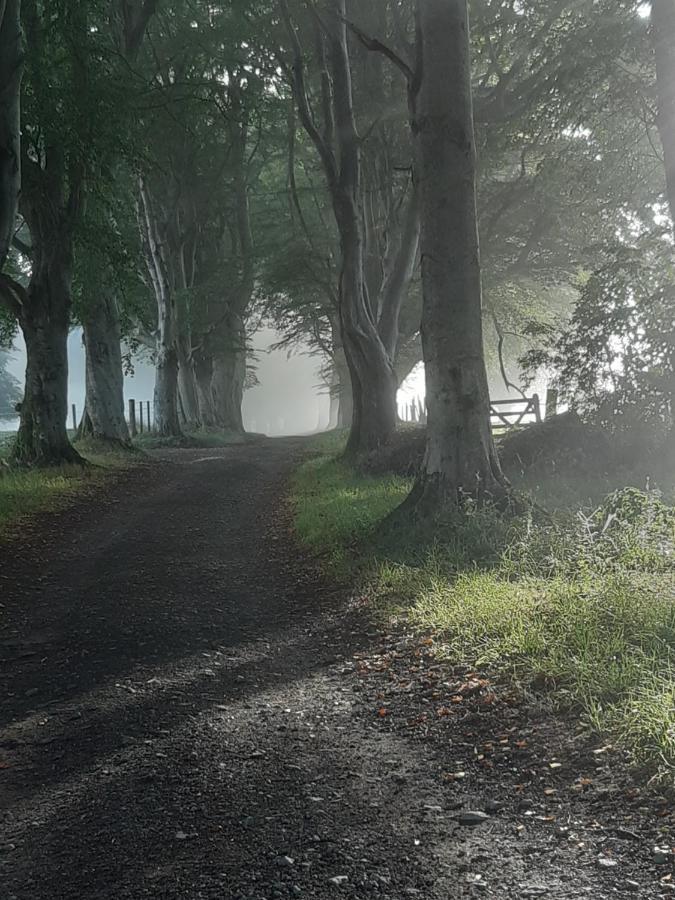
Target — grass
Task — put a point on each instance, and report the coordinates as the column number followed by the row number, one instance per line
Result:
column 582, row 607
column 25, row 493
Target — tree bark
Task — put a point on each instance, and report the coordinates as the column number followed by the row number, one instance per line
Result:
column 11, row 70
column 167, row 422
column 44, row 318
column 460, row 460
column 344, row 393
column 372, row 376
column 103, row 417
column 187, row 389
column 203, row 369
column 397, row 283
column 229, row 373
column 663, row 39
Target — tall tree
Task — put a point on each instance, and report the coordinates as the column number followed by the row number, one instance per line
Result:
column 103, row 417
column 58, row 126
column 663, row 36
column 339, row 147
column 11, row 70
column 460, row 460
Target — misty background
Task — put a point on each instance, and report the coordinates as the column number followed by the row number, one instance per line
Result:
column 290, row 397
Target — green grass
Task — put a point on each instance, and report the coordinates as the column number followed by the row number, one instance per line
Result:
column 587, row 615
column 25, row 493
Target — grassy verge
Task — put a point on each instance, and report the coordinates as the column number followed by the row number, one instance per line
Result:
column 25, row 493
column 582, row 607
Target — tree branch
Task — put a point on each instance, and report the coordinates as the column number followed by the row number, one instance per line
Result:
column 12, row 295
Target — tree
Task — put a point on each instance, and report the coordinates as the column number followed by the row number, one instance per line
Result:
column 338, row 145
column 67, row 107
column 103, row 418
column 460, row 461
column 663, row 35
column 11, row 71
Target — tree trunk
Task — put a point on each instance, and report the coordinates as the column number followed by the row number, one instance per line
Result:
column 42, row 439
column 460, row 459
column 345, row 396
column 203, row 369
column 11, row 69
column 397, row 283
column 372, row 374
column 103, row 417
column 167, row 422
column 338, row 145
column 663, row 38
column 229, row 374
column 187, row 390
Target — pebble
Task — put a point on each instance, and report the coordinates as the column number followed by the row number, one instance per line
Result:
column 661, row 856
column 607, row 862
column 471, row 818
column 284, row 862
column 339, row 880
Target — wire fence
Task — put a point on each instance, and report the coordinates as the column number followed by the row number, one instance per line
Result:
column 139, row 414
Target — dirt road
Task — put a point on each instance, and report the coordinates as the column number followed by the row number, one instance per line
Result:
column 188, row 710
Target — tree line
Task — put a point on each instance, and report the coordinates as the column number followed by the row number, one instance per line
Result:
column 172, row 172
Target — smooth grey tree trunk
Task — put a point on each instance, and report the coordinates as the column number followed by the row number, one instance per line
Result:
column 11, row 69
column 229, row 373
column 397, row 283
column 460, row 460
column 187, row 389
column 372, row 374
column 663, row 38
column 371, row 371
column 103, row 417
column 203, row 370
column 42, row 439
column 167, row 422
column 345, row 395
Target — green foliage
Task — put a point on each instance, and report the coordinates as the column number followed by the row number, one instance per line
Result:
column 616, row 354
column 10, row 390
column 582, row 604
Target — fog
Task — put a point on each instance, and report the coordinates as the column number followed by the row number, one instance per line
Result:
column 289, row 398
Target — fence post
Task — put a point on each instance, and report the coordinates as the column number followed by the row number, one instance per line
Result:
column 74, row 412
column 132, row 418
column 537, row 407
column 140, row 417
column 551, row 403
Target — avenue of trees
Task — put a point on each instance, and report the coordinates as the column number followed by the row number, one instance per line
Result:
column 386, row 181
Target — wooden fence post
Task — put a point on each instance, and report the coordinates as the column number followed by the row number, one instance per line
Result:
column 149, row 422
column 537, row 407
column 140, row 418
column 74, row 412
column 132, row 418
column 551, row 403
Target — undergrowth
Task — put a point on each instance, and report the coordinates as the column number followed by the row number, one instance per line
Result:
column 582, row 605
